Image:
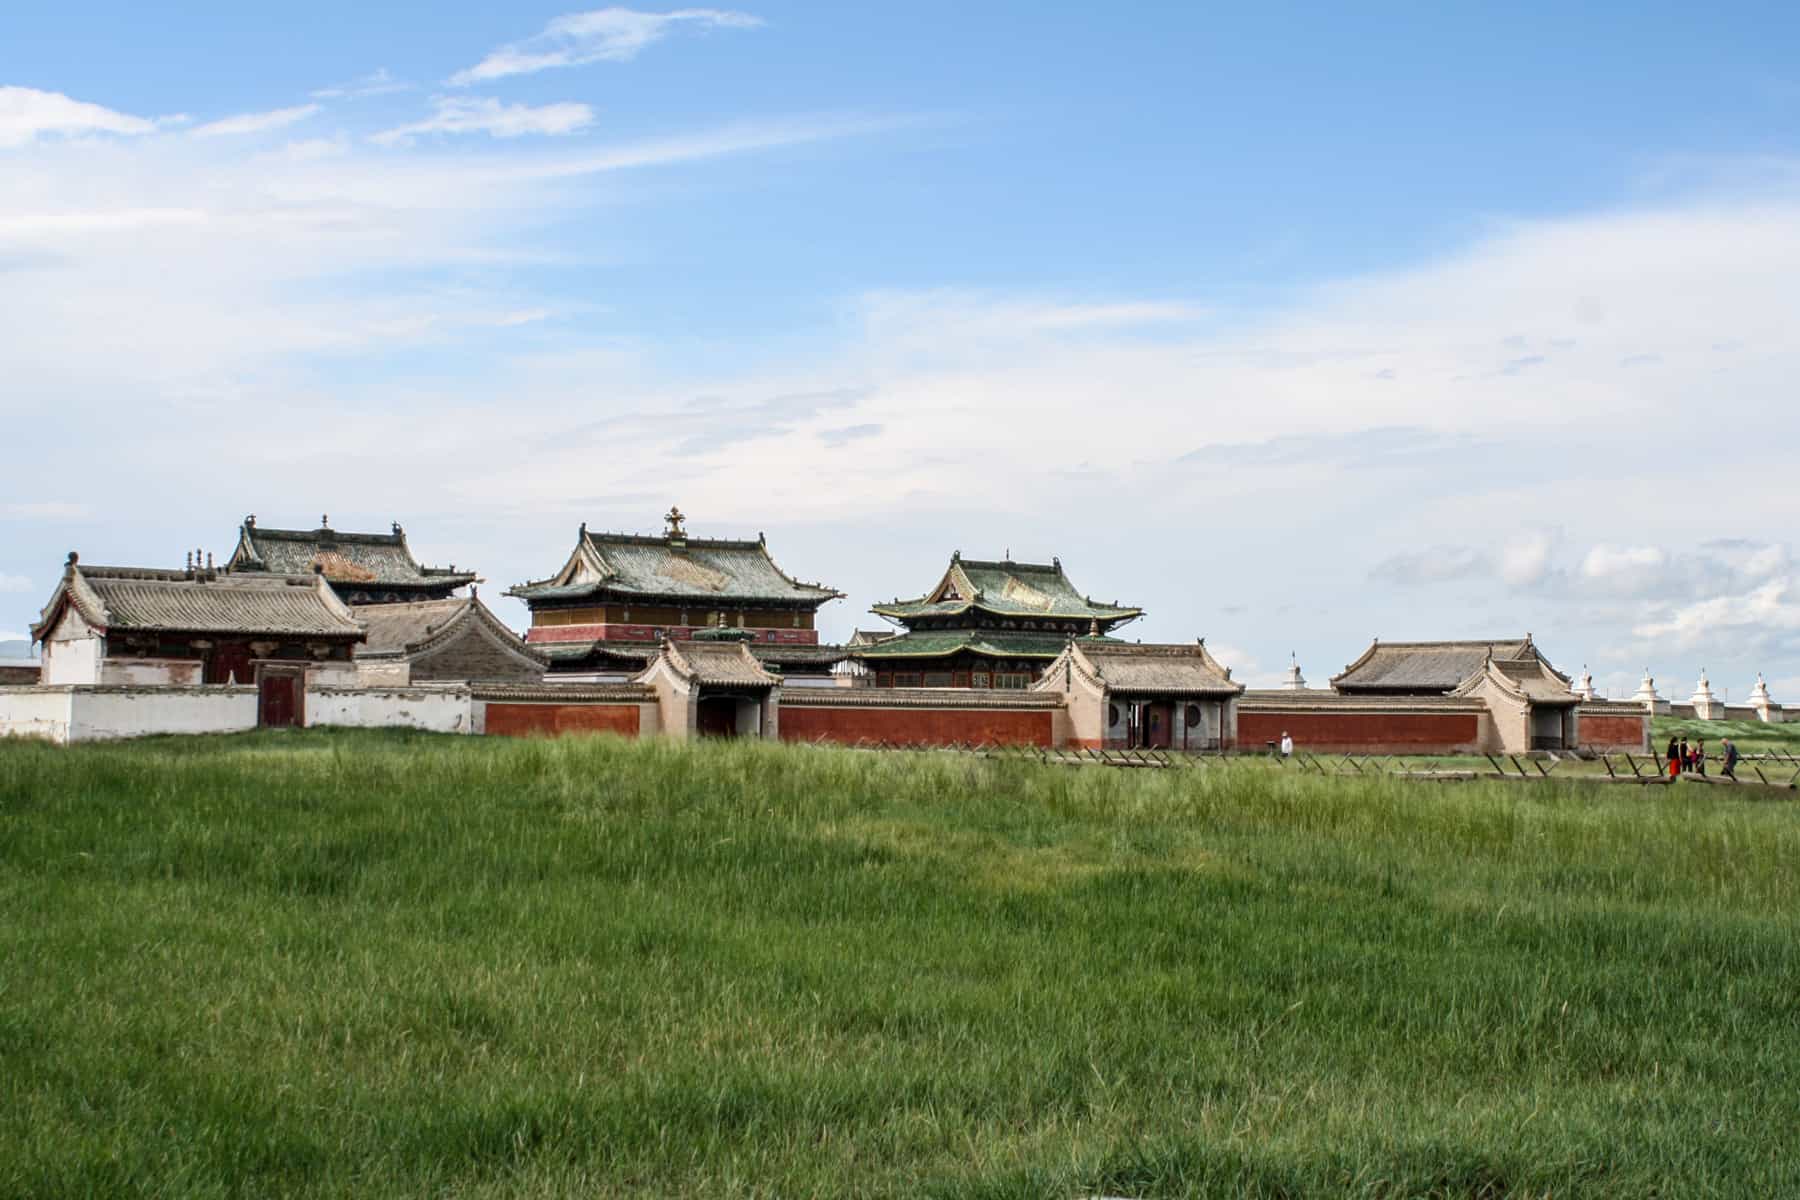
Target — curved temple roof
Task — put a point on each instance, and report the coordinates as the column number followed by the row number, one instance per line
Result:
column 1006, row 589
column 1426, row 666
column 372, row 559
column 115, row 599
column 676, row 568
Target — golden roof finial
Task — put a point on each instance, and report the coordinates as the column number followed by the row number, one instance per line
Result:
column 675, row 519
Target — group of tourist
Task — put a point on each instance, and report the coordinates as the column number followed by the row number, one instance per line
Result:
column 1685, row 760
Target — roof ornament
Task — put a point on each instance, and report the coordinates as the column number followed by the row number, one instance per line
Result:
column 675, row 528
column 73, row 559
column 397, row 529
column 250, row 521
column 324, row 521
column 188, row 566
column 1094, row 627
column 584, row 529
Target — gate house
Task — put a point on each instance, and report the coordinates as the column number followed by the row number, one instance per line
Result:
column 1161, row 697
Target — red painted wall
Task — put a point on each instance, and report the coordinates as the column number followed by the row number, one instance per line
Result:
column 654, row 633
column 1620, row 732
column 1363, row 732
column 917, row 726
column 525, row 720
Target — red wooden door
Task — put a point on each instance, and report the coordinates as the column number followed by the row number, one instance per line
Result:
column 1159, row 720
column 278, row 701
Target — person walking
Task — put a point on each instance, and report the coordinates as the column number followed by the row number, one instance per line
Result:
column 1731, row 760
column 1700, row 758
column 1287, row 745
column 1687, row 757
column 1674, row 758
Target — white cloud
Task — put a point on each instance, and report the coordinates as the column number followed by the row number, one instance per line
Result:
column 1750, row 618
column 602, row 35
column 1607, row 562
column 261, row 122
column 14, row 583
column 27, row 114
column 486, row 115
column 376, row 83
column 1526, row 559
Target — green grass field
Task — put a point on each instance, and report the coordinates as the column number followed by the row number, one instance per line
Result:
column 1752, row 737
column 336, row 964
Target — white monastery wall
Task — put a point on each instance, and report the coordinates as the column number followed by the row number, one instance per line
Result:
column 35, row 713
column 101, row 714
column 435, row 709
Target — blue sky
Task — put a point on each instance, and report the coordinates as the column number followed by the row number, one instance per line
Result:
column 1295, row 325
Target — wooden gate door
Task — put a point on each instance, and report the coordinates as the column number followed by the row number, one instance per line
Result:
column 717, row 717
column 279, row 699
column 1159, row 720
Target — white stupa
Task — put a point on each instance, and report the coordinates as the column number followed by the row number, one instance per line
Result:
column 1765, row 706
column 1646, row 696
column 1584, row 687
column 1295, row 681
column 1707, row 706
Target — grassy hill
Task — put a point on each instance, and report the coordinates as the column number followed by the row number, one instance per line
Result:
column 377, row 965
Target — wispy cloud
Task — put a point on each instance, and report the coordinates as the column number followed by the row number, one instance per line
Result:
column 45, row 510
column 601, row 35
column 259, row 122
column 27, row 114
column 457, row 115
column 376, row 83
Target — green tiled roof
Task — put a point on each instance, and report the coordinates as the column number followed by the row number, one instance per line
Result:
column 941, row 643
column 370, row 559
column 1007, row 589
column 634, row 567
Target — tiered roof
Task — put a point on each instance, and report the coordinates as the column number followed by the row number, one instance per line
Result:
column 1427, row 667
column 355, row 560
column 1005, row 589
column 198, row 600
column 673, row 567
column 942, row 643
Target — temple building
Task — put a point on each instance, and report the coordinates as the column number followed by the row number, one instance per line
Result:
column 140, row 626
column 618, row 596
column 362, row 568
column 986, row 625
column 1160, row 697
column 454, row 640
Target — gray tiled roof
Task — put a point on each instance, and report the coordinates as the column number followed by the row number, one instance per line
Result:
column 1127, row 668
column 398, row 630
column 116, row 599
column 1425, row 666
column 632, row 566
column 374, row 559
column 718, row 664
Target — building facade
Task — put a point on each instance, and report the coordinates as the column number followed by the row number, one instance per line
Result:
column 144, row 627
column 986, row 625
column 618, row 596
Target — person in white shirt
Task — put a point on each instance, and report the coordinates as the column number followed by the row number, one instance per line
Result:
column 1287, row 745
